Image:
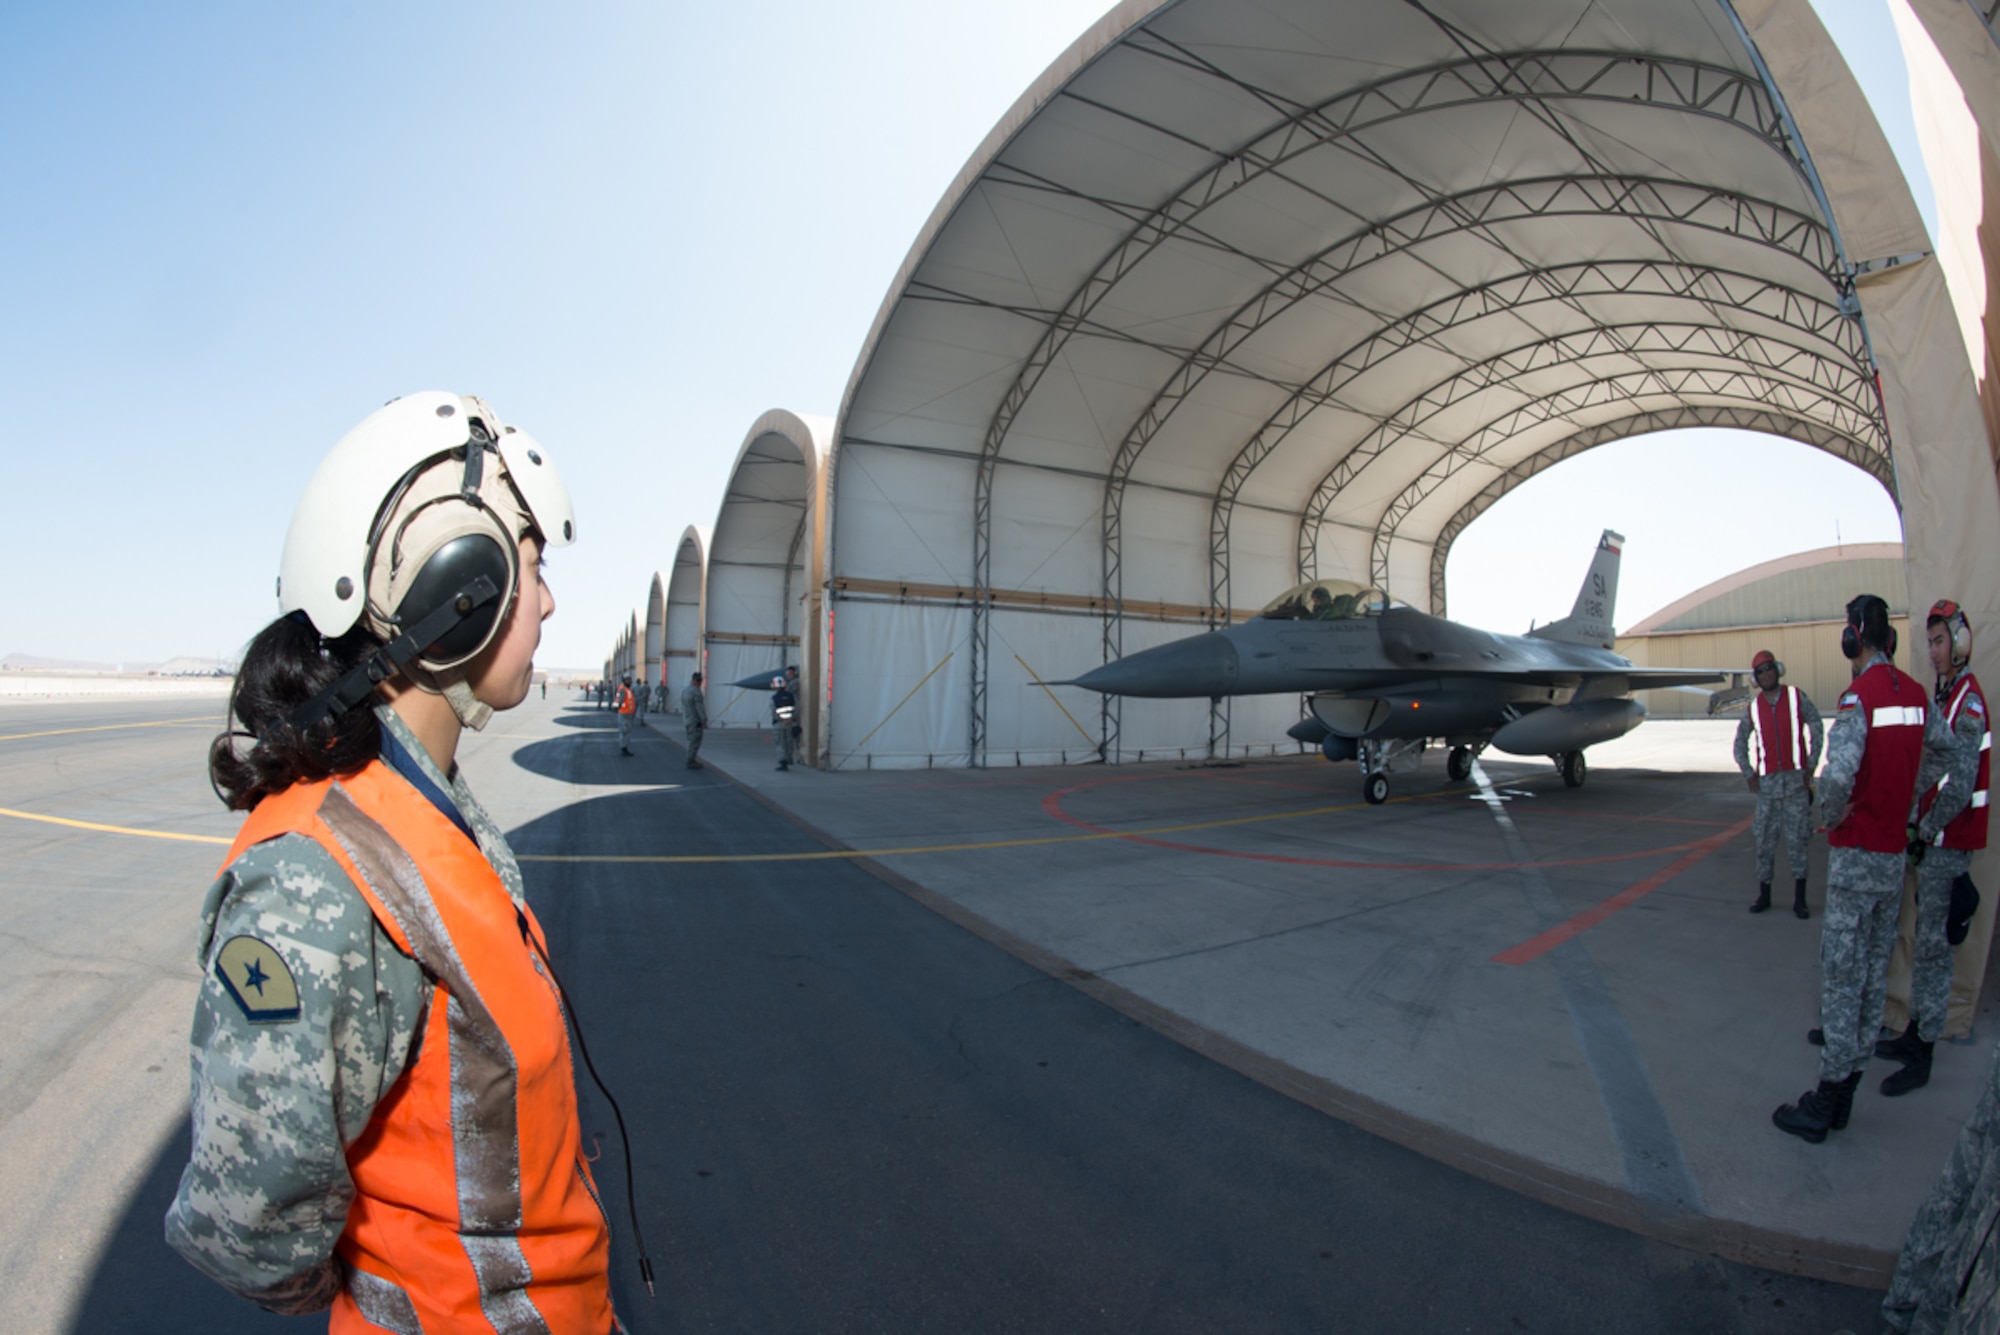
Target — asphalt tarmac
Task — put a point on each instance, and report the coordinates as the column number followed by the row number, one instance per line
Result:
column 848, row 1112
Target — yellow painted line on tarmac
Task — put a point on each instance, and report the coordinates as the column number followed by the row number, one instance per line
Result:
column 208, row 720
column 115, row 829
column 826, row 855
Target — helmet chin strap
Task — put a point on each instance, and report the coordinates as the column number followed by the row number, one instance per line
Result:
column 471, row 710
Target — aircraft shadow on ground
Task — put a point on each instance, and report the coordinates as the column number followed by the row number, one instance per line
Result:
column 587, row 716
column 593, row 757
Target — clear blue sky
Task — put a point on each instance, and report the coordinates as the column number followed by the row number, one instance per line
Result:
column 233, row 229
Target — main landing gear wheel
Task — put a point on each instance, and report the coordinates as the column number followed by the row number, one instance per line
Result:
column 1573, row 768
column 1459, row 764
column 1376, row 789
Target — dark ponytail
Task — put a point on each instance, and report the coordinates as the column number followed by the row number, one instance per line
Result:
column 284, row 667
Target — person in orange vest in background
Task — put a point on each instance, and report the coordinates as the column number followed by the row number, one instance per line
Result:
column 1873, row 750
column 1947, row 825
column 384, row 1121
column 1777, row 749
column 627, row 705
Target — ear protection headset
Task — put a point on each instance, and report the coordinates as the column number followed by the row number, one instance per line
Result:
column 414, row 523
column 1948, row 613
column 1867, row 624
column 1766, row 658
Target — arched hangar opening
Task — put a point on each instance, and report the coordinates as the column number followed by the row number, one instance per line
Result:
column 682, row 617
column 655, row 633
column 765, row 567
column 1240, row 295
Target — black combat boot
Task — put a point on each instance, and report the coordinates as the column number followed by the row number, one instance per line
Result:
column 1799, row 909
column 1818, row 1111
column 1903, row 1047
column 1816, row 1036
column 1916, row 1073
column 1763, row 898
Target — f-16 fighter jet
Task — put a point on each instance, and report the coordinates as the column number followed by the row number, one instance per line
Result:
column 1383, row 680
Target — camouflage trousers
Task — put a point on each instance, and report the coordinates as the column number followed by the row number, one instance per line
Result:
column 781, row 737
column 1782, row 806
column 624, row 732
column 1856, row 932
column 695, row 732
column 1948, row 1278
column 1930, row 958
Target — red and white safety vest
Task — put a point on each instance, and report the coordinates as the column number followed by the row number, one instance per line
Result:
column 1968, row 827
column 1781, row 739
column 1894, row 706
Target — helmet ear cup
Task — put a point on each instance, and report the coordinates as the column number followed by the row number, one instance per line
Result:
column 1952, row 616
column 448, row 570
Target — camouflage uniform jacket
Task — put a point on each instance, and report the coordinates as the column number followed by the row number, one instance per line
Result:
column 1947, row 1280
column 279, row 1095
column 1951, row 750
column 1846, row 742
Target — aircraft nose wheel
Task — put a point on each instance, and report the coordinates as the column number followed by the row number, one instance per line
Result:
column 1573, row 768
column 1376, row 789
column 1459, row 764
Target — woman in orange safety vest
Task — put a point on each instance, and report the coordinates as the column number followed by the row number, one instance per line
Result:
column 384, row 1109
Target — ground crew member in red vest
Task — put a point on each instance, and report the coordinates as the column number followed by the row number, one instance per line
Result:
column 1872, row 754
column 627, row 705
column 384, row 1120
column 1947, row 826
column 1777, row 749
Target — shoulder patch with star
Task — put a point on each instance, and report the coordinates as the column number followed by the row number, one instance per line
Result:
column 258, row 980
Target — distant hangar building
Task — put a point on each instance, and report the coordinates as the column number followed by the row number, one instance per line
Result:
column 1794, row 606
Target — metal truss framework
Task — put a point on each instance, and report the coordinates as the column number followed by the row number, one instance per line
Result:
column 1736, row 417
column 1532, row 77
column 1785, row 374
column 1720, row 346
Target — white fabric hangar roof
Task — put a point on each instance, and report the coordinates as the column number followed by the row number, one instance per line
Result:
column 1243, row 294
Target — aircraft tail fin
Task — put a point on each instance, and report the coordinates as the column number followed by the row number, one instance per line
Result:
column 1589, row 621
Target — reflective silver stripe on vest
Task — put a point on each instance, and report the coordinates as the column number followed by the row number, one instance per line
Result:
column 1897, row 716
column 383, row 1303
column 485, row 1134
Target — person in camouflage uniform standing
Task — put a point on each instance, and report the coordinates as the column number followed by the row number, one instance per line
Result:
column 383, row 1116
column 1947, row 1280
column 1777, row 750
column 1947, row 825
column 1872, row 754
column 694, row 718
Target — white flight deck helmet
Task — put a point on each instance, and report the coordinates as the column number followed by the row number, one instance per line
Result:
column 412, row 523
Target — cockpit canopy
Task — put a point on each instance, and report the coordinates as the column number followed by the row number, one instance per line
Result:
column 1326, row 600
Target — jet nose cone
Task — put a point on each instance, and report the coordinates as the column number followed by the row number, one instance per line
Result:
column 1198, row 665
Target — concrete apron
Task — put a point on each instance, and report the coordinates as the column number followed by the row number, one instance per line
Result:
column 1557, row 990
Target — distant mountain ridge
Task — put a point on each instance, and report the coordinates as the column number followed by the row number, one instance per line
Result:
column 172, row 667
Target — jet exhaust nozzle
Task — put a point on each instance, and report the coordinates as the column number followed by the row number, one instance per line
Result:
column 1560, row 728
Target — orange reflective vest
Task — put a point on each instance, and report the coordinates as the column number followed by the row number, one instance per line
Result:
column 473, row 1207
column 626, row 704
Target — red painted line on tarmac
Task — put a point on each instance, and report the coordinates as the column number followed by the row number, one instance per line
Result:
column 1052, row 807
column 1536, row 947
